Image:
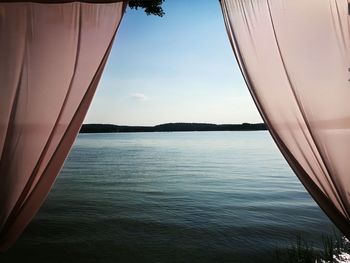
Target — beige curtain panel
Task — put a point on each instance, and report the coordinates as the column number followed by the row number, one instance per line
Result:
column 52, row 57
column 295, row 58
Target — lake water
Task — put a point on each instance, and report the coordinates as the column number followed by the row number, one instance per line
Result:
column 171, row 197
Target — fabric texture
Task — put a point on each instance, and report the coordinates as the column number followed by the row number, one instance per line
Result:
column 52, row 57
column 294, row 56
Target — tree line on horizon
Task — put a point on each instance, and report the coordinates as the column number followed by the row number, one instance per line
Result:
column 172, row 127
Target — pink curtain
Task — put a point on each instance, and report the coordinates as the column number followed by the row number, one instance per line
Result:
column 295, row 58
column 52, row 57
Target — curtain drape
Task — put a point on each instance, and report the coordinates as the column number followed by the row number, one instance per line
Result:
column 294, row 56
column 51, row 59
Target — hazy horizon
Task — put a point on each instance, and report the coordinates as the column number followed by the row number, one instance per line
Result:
column 121, row 124
column 178, row 68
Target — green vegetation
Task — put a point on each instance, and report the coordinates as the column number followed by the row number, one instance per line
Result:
column 301, row 251
column 172, row 127
column 332, row 251
column 151, row 7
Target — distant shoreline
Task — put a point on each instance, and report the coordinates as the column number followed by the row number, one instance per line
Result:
column 172, row 127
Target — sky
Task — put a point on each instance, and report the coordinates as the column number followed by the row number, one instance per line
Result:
column 176, row 68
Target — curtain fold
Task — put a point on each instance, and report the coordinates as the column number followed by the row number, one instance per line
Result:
column 294, row 57
column 52, row 57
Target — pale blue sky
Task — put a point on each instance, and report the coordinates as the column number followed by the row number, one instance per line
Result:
column 178, row 68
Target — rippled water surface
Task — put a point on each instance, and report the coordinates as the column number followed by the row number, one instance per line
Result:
column 171, row 197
